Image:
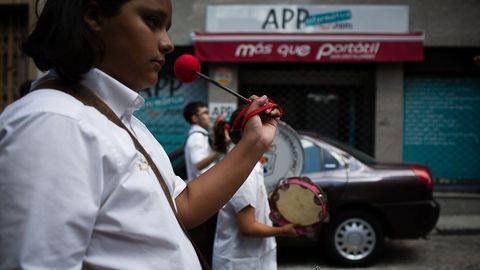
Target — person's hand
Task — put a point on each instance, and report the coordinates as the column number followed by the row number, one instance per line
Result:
column 289, row 230
column 261, row 128
column 228, row 140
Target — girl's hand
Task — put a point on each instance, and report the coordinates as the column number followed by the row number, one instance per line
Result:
column 289, row 230
column 261, row 128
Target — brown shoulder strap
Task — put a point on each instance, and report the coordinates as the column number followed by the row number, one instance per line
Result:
column 87, row 97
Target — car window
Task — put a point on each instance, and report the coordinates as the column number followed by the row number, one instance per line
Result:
column 317, row 159
column 312, row 157
column 329, row 162
column 364, row 158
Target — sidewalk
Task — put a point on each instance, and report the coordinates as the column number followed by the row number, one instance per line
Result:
column 459, row 212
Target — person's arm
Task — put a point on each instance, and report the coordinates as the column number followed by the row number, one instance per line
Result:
column 199, row 151
column 202, row 164
column 250, row 227
column 216, row 153
column 210, row 191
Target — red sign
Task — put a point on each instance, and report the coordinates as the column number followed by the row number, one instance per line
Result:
column 223, row 47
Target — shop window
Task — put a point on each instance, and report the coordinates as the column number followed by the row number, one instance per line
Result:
column 333, row 100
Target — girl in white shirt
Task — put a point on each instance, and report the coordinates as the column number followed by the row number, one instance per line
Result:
column 244, row 236
column 76, row 193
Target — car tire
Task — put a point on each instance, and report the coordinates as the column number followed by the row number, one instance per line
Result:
column 353, row 238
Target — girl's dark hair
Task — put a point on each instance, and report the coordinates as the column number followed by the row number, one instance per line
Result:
column 235, row 132
column 62, row 40
column 219, row 140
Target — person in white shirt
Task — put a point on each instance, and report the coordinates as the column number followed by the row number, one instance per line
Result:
column 76, row 192
column 199, row 155
column 244, row 238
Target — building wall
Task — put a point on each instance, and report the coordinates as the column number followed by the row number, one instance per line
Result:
column 389, row 112
column 32, row 70
column 8, row 2
column 445, row 22
column 222, row 96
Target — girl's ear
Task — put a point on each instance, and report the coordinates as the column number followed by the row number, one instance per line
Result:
column 92, row 16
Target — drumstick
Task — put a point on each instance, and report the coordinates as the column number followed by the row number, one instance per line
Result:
column 187, row 69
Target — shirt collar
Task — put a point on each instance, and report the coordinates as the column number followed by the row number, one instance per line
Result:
column 196, row 128
column 121, row 99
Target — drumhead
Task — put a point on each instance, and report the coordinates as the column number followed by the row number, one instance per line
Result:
column 285, row 157
column 299, row 201
column 297, row 205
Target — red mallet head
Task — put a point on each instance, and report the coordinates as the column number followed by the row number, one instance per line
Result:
column 186, row 67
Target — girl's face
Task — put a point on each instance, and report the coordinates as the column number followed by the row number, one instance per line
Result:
column 136, row 41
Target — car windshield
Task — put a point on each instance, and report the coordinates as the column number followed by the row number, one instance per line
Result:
column 362, row 157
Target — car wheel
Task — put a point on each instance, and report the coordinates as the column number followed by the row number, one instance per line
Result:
column 353, row 238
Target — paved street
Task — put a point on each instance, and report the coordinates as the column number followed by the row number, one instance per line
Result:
column 442, row 252
column 453, row 244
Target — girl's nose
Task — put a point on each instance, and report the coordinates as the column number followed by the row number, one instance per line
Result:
column 166, row 45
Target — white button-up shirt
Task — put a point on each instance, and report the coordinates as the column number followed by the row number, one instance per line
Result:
column 196, row 149
column 234, row 251
column 76, row 194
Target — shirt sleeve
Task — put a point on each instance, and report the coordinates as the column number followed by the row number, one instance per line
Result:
column 51, row 191
column 198, row 147
column 179, row 186
column 246, row 195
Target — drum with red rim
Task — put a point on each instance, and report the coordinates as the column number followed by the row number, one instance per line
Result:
column 299, row 201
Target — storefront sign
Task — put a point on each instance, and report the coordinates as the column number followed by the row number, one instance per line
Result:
column 224, row 109
column 308, row 18
column 229, row 47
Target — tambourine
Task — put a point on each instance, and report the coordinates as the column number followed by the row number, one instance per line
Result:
column 297, row 200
